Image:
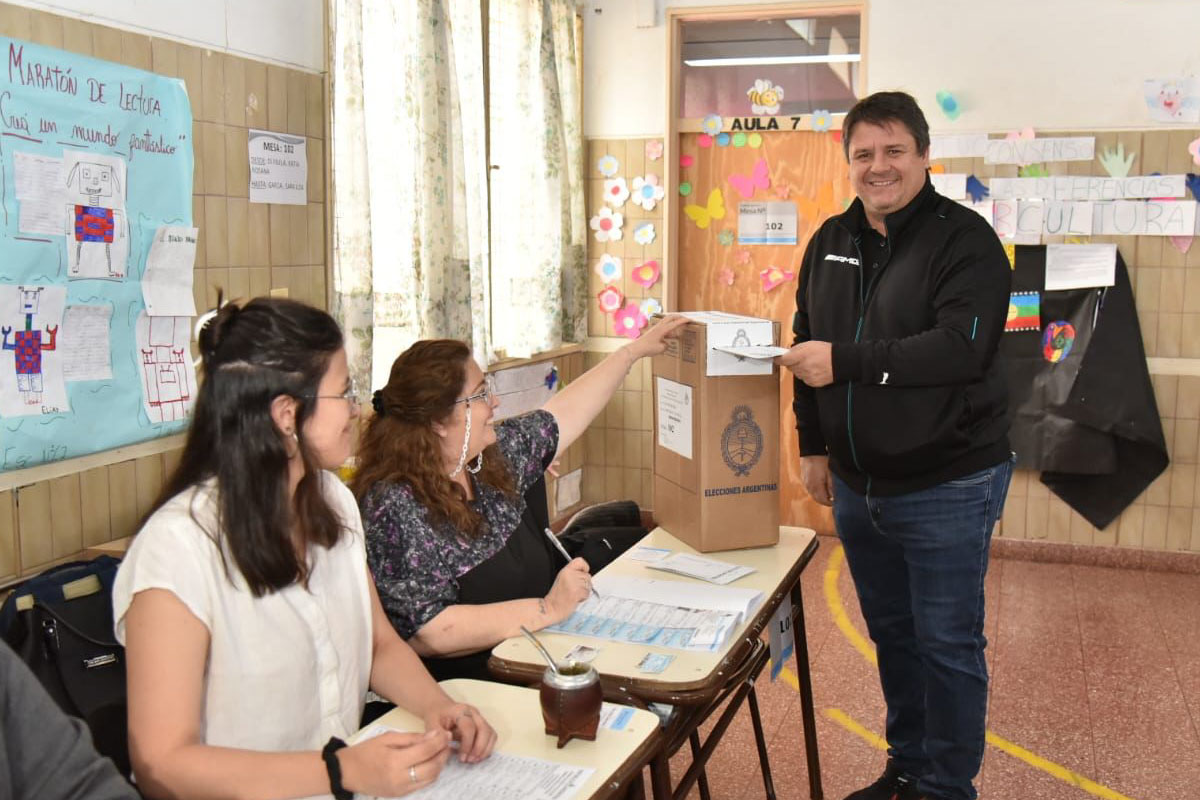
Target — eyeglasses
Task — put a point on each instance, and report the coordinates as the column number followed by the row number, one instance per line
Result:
column 486, row 393
column 350, row 394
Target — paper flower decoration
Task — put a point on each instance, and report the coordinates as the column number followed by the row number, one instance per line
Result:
column 646, row 274
column 686, row 161
column 608, row 165
column 607, row 225
column 654, row 149
column 743, row 256
column 725, row 237
column 616, row 192
column 647, row 191
column 704, row 140
column 712, row 124
column 774, row 277
column 948, row 104
column 650, row 306
column 1194, row 150
column 610, row 299
column 822, row 120
column 609, row 268
column 644, row 233
column 764, row 97
column 629, row 320
column 976, row 190
column 725, row 276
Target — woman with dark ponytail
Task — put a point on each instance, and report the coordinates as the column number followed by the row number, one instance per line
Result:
column 251, row 624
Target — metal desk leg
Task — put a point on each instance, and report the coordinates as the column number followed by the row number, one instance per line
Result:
column 660, row 777
column 764, row 761
column 694, row 740
column 806, row 696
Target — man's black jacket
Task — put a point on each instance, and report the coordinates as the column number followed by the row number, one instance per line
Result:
column 915, row 318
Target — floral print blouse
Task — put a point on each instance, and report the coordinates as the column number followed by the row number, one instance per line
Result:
column 416, row 565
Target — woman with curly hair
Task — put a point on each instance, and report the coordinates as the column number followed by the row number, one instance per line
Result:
column 458, row 563
column 251, row 625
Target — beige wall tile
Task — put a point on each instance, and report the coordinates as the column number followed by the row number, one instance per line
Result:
column 136, row 51
column 1183, row 484
column 1179, row 528
column 314, row 106
column 277, row 98
column 1190, row 336
column 631, row 449
column 197, row 157
column 614, row 447
column 93, row 498
column 238, row 231
column 164, row 57
column 632, row 411
column 107, row 43
column 66, row 516
column 149, row 477
column 1149, row 288
column 237, row 163
column 1037, row 518
column 255, row 99
column 1187, row 434
column 1193, row 545
column 1166, row 392
column 45, row 29
column 1058, row 523
column 1081, row 529
column 212, row 69
column 8, row 536
column 297, row 102
column 316, row 234
column 1154, row 532
column 1129, row 526
column 239, row 283
column 216, row 280
column 281, row 246
column 593, row 445
column 315, row 152
column 298, row 234
column 33, row 517
column 1013, row 520
column 234, row 94
column 320, row 289
column 216, row 239
column 260, row 234
column 1171, row 298
column 122, row 499
column 199, row 221
column 260, row 281
column 1159, row 492
column 77, row 37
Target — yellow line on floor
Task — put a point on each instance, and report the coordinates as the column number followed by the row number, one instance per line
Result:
column 834, row 601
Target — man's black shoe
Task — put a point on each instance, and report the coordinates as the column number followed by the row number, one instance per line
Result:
column 893, row 784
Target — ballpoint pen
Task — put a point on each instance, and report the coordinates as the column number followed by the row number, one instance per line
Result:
column 558, row 546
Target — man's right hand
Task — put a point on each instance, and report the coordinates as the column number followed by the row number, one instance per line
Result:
column 818, row 481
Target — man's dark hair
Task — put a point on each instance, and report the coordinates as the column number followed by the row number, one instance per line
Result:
column 883, row 108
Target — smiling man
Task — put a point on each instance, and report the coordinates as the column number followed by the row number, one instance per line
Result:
column 901, row 409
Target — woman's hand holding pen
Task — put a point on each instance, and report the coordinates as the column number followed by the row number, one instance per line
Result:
column 570, row 588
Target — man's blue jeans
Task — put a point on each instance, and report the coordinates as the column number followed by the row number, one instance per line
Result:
column 918, row 561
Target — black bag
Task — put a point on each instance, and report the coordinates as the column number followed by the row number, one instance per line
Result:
column 65, row 636
column 600, row 533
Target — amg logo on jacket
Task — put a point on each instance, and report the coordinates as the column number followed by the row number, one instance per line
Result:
column 844, row 259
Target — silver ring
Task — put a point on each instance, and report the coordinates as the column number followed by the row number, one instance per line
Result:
column 412, row 773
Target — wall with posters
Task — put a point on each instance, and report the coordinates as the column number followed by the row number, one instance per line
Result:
column 51, row 512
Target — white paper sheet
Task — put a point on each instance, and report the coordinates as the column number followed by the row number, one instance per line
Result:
column 706, row 569
column 1172, row 99
column 970, row 145
column 568, row 490
column 41, row 193
column 1150, row 218
column 674, row 416
column 31, row 361
column 522, row 389
column 983, row 208
column 1060, row 218
column 94, row 179
column 1080, row 266
column 167, row 282
column 950, row 184
column 761, row 352
column 1088, row 187
column 164, row 357
column 278, row 168
column 1030, row 221
column 500, row 775
column 40, row 217
column 97, row 241
column 1036, row 151
column 85, row 343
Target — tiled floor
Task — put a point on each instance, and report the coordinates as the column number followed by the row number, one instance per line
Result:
column 1095, row 690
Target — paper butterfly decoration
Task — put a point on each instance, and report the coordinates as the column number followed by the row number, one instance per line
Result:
column 774, row 277
column 759, row 178
column 705, row 214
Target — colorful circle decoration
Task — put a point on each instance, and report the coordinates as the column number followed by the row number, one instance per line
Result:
column 754, row 140
column 739, row 139
column 704, row 140
column 722, row 139
column 685, row 189
column 1057, row 341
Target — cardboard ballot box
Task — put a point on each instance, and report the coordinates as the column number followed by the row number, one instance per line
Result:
column 716, row 428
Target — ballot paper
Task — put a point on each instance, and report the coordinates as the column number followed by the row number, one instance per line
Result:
column 499, row 776
column 665, row 613
column 759, row 352
column 706, row 569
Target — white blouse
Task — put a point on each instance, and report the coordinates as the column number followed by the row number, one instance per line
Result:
column 285, row 671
